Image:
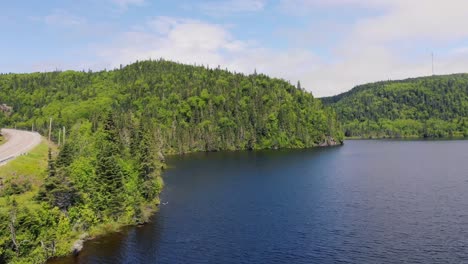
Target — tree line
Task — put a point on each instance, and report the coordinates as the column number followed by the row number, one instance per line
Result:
column 120, row 125
column 433, row 107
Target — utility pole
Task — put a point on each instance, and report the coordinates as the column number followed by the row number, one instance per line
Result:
column 63, row 140
column 60, row 132
column 50, row 128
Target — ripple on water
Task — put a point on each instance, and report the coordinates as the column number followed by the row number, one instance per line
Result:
column 365, row 202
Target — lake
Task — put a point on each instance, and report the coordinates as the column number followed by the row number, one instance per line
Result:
column 369, row 201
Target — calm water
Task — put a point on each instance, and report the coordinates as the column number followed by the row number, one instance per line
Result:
column 365, row 202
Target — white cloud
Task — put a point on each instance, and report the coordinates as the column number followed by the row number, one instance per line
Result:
column 229, row 7
column 429, row 19
column 305, row 7
column 387, row 45
column 165, row 24
column 183, row 40
column 61, row 18
column 197, row 42
column 124, row 4
column 393, row 41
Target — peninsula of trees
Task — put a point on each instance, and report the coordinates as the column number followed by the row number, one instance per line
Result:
column 113, row 129
column 426, row 107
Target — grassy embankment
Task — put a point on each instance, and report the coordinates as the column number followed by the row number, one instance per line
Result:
column 31, row 168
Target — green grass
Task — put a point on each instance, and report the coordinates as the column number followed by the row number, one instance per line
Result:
column 31, row 167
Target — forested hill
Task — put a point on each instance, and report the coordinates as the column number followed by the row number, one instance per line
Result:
column 118, row 126
column 435, row 106
column 192, row 108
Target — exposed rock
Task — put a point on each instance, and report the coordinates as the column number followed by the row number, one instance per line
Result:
column 161, row 156
column 78, row 245
column 6, row 109
column 329, row 141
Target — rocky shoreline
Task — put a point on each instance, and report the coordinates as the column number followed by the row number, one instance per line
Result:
column 330, row 141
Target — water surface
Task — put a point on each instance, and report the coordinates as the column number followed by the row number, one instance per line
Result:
column 365, row 202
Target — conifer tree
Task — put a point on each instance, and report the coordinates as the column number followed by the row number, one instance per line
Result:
column 108, row 170
column 65, row 157
column 50, row 164
column 57, row 189
column 147, row 160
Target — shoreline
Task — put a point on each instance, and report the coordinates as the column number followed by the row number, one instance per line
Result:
column 103, row 230
column 407, row 138
column 78, row 240
column 115, row 227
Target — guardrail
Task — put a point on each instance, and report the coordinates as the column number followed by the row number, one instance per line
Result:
column 25, row 150
column 3, row 161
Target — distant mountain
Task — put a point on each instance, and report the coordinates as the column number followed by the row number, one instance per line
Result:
column 435, row 106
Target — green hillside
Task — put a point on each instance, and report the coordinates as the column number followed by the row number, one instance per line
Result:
column 435, row 106
column 118, row 127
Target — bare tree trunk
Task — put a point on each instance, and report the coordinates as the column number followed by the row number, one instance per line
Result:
column 44, row 247
column 50, row 128
column 13, row 233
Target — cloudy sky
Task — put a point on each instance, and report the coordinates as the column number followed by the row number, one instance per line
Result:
column 329, row 45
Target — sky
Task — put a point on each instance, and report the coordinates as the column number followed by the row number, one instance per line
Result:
column 328, row 45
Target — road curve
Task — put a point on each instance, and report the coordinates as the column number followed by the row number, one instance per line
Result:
column 18, row 142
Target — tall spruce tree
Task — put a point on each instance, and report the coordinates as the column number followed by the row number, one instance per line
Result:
column 50, row 164
column 108, row 170
column 65, row 157
column 148, row 160
column 58, row 190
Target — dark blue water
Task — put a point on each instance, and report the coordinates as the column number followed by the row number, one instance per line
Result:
column 364, row 202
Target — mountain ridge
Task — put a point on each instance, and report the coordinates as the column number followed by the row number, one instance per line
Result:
column 430, row 106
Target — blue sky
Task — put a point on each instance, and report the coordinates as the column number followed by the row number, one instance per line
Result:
column 329, row 45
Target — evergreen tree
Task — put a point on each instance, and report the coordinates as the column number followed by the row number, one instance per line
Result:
column 136, row 139
column 108, row 170
column 65, row 157
column 147, row 161
column 57, row 189
column 50, row 164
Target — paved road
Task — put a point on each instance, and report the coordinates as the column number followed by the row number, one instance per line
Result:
column 18, row 142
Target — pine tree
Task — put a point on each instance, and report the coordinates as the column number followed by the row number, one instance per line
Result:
column 50, row 164
column 299, row 87
column 57, row 189
column 147, row 160
column 136, row 139
column 108, row 170
column 65, row 157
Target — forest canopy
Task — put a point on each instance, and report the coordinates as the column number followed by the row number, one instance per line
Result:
column 191, row 107
column 433, row 107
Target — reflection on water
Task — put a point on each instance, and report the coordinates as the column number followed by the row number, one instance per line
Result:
column 365, row 202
